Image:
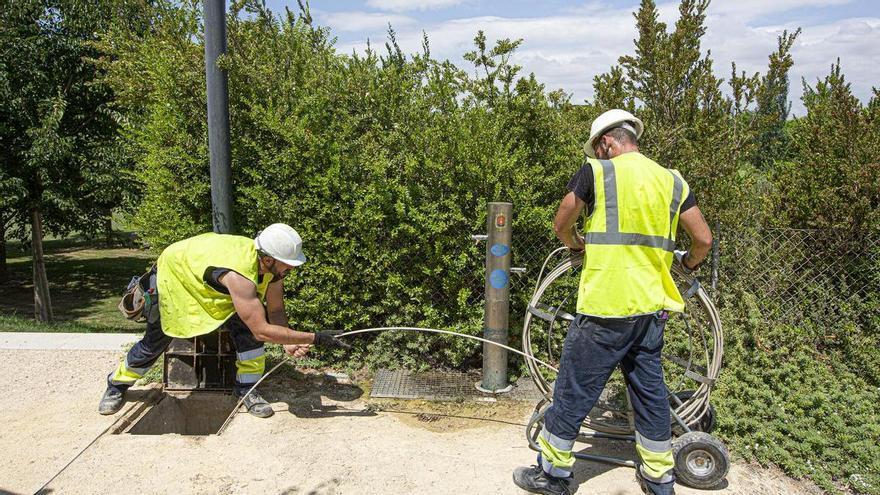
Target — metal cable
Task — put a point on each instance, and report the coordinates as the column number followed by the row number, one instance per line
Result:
column 692, row 409
column 235, row 409
column 383, row 329
column 40, row 490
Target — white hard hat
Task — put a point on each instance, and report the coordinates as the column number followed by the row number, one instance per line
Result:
column 609, row 120
column 281, row 242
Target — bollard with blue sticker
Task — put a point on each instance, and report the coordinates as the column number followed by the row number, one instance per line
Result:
column 496, row 313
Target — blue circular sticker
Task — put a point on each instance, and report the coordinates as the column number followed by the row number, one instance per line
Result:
column 499, row 250
column 498, row 279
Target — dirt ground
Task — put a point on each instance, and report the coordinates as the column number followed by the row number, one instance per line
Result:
column 325, row 438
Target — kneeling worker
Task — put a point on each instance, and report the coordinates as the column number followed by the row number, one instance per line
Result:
column 213, row 280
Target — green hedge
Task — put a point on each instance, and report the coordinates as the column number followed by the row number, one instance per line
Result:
column 385, row 162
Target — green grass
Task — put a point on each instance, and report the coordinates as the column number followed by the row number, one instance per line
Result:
column 21, row 323
column 85, row 284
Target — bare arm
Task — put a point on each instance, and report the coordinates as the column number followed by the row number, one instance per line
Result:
column 565, row 223
column 250, row 309
column 275, row 304
column 701, row 237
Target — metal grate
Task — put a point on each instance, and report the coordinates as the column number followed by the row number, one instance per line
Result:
column 206, row 362
column 435, row 385
column 525, row 389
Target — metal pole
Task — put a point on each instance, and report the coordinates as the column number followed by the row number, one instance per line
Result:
column 497, row 297
column 716, row 239
column 218, row 116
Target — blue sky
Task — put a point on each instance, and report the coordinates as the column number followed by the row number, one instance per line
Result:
column 566, row 43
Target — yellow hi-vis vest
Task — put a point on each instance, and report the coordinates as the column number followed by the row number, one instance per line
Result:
column 188, row 306
column 630, row 239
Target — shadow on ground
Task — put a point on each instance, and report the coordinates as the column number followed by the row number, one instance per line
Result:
column 305, row 394
column 84, row 282
column 325, row 488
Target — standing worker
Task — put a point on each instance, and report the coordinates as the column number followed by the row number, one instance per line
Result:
column 213, row 280
column 625, row 295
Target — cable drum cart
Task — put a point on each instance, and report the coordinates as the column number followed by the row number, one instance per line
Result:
column 691, row 360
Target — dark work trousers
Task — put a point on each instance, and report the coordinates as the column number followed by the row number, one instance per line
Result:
column 154, row 342
column 592, row 350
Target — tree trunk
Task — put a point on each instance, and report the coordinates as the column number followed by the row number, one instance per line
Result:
column 108, row 227
column 4, row 271
column 42, row 301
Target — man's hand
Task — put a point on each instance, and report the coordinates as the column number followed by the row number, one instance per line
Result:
column 327, row 339
column 579, row 244
column 680, row 257
column 297, row 351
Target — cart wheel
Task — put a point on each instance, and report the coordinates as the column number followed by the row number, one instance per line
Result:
column 706, row 422
column 701, row 460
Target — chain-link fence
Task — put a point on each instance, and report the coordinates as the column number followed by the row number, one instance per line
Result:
column 790, row 274
column 797, row 274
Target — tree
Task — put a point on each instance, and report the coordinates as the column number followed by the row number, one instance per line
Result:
column 669, row 82
column 831, row 180
column 496, row 67
column 716, row 141
column 773, row 105
column 63, row 170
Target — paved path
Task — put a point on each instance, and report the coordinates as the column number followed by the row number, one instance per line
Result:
column 66, row 341
column 326, row 438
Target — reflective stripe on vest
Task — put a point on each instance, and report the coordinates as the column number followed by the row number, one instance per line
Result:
column 630, row 238
column 189, row 306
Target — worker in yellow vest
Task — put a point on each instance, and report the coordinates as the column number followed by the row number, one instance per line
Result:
column 626, row 291
column 213, row 280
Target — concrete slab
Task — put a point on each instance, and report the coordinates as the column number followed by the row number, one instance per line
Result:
column 66, row 341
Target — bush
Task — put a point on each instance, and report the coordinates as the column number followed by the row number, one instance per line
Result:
column 385, row 162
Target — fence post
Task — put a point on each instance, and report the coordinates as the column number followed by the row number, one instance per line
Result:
column 716, row 240
column 497, row 310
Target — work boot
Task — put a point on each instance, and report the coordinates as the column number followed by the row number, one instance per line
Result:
column 653, row 488
column 256, row 404
column 112, row 401
column 533, row 479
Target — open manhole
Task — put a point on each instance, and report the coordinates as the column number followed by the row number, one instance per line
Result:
column 196, row 413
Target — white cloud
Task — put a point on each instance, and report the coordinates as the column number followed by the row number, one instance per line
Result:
column 853, row 40
column 591, row 7
column 567, row 51
column 746, row 10
column 363, row 21
column 407, row 5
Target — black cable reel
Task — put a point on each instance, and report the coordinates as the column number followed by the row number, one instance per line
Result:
column 692, row 357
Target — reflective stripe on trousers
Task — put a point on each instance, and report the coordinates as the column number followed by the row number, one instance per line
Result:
column 250, row 365
column 127, row 375
column 657, row 460
column 556, row 458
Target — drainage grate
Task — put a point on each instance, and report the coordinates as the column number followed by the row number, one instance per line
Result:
column 525, row 389
column 435, row 385
column 206, row 362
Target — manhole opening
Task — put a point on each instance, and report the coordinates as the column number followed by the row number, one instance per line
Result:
column 198, row 413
